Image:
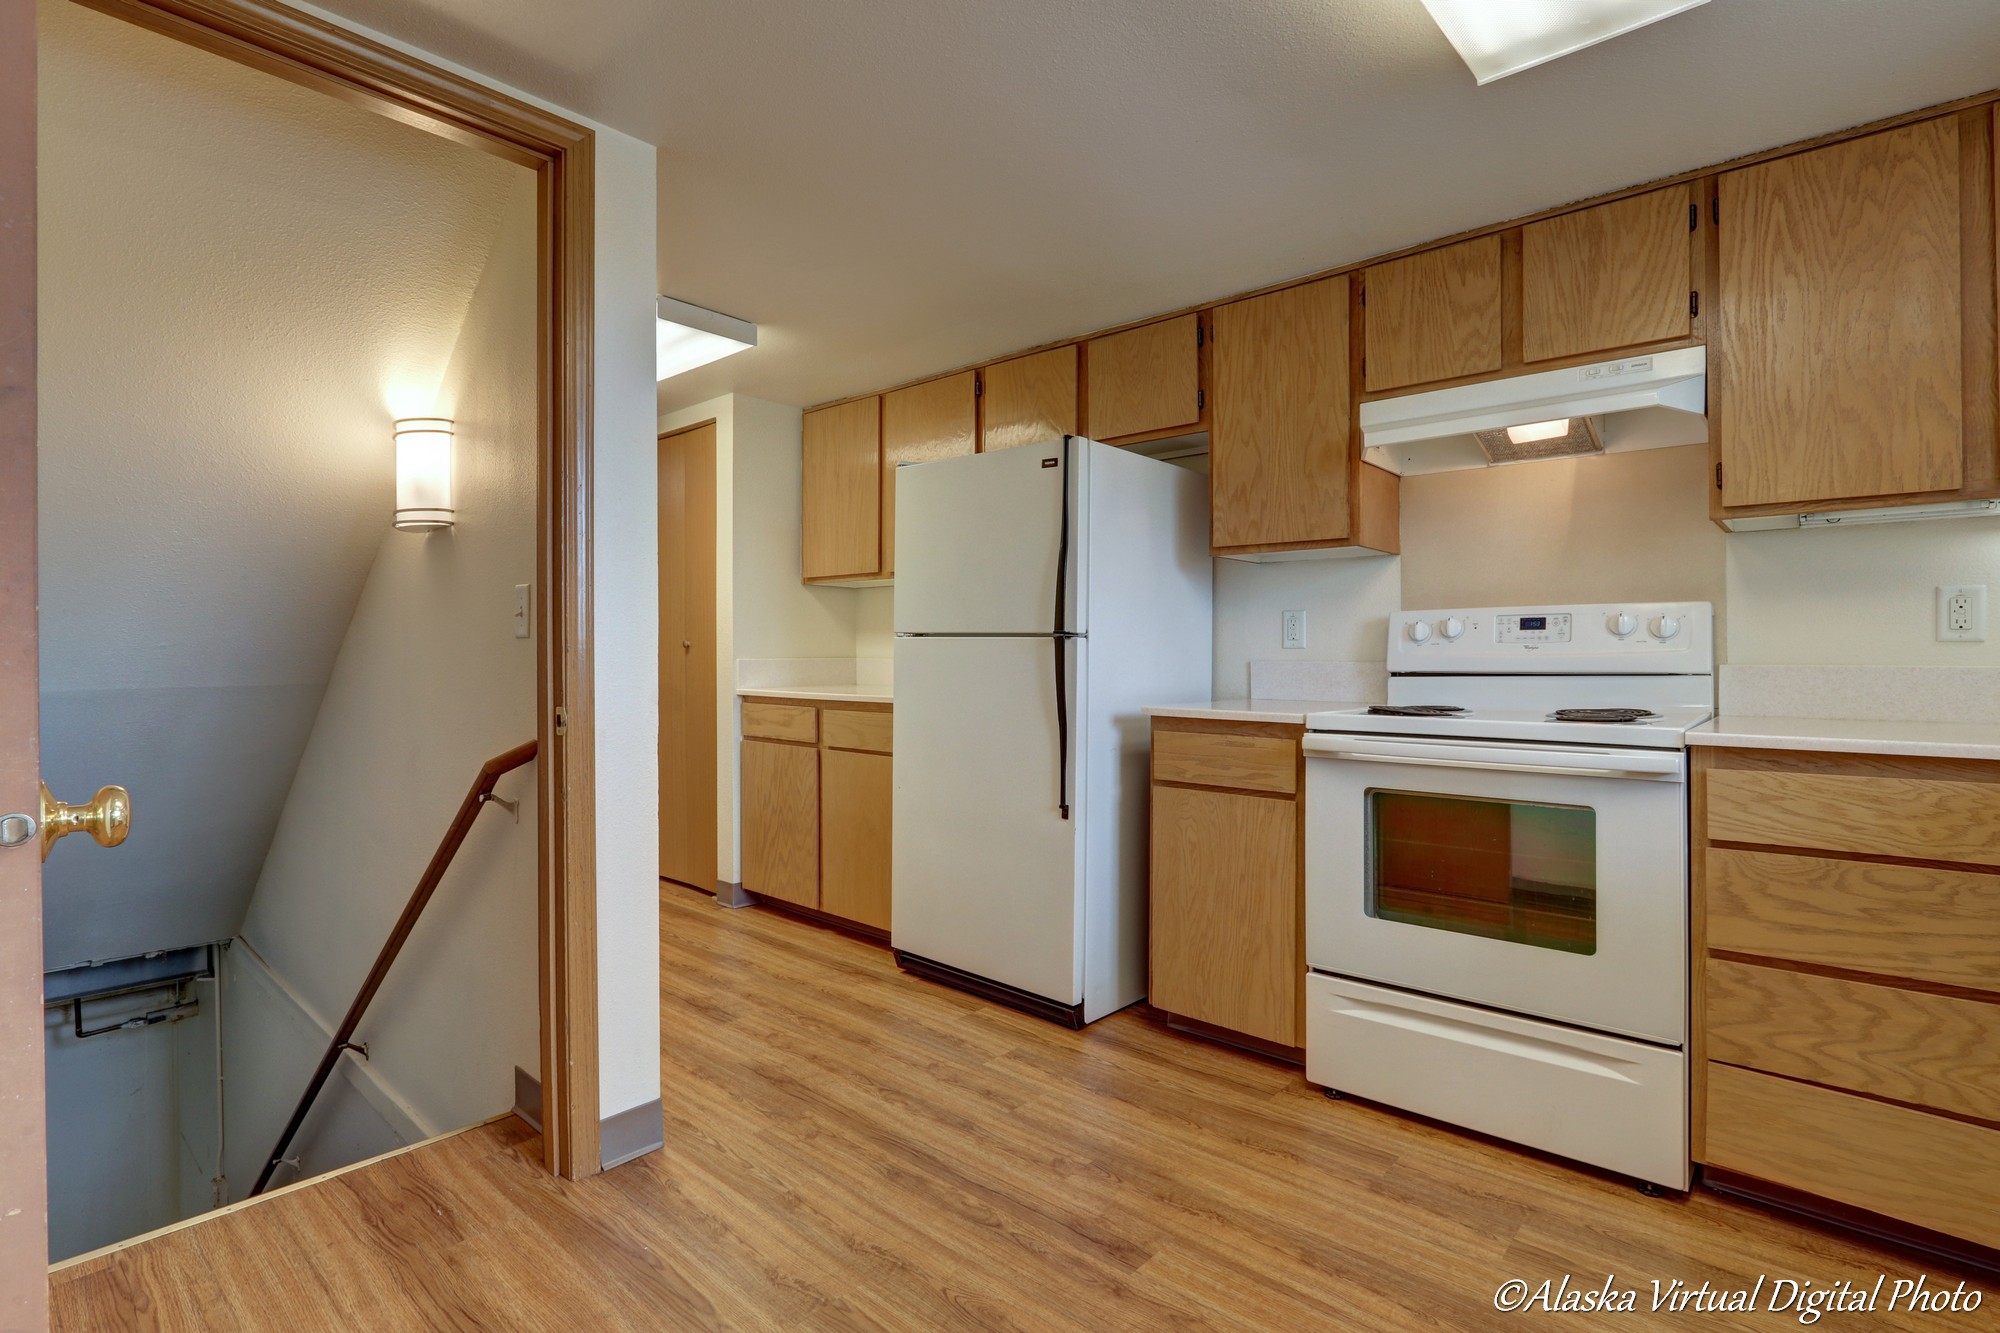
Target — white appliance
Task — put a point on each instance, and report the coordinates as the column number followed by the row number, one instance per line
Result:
column 1044, row 596
column 1497, row 895
column 1654, row 401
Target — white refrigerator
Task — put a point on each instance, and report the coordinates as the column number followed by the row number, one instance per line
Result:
column 1044, row 596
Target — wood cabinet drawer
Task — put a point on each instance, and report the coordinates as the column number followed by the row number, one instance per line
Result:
column 1902, row 921
column 1906, row 1045
column 857, row 729
column 781, row 722
column 1925, row 818
column 1223, row 759
column 1920, row 1168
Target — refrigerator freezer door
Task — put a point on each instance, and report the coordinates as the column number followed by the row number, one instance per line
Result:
column 976, row 542
column 985, row 868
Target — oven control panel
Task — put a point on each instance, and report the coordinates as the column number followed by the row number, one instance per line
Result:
column 1650, row 638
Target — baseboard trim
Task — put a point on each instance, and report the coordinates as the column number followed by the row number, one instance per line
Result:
column 845, row 925
column 1040, row 1006
column 734, row 895
column 631, row 1134
column 528, row 1098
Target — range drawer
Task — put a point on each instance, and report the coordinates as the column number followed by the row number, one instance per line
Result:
column 1901, row 921
column 858, row 729
column 1932, row 1050
column 1923, row 818
column 781, row 722
column 1921, row 1168
column 1226, row 759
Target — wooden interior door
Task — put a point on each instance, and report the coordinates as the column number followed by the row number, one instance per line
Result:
column 1838, row 337
column 24, row 1213
column 1279, row 441
column 688, row 687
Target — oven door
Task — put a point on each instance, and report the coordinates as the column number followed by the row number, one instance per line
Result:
column 1539, row 879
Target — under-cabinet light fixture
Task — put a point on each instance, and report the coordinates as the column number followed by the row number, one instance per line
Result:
column 1847, row 518
column 423, row 474
column 1496, row 38
column 686, row 336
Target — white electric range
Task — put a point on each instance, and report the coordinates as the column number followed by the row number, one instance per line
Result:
column 1497, row 878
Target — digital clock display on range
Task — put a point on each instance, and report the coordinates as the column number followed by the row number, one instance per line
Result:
column 1534, row 622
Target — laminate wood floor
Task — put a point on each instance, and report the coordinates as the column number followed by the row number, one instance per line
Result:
column 849, row 1148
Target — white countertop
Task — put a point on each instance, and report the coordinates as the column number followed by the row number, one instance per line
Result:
column 1940, row 740
column 850, row 693
column 1291, row 711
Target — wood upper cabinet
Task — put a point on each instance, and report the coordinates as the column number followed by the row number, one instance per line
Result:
column 1434, row 315
column 781, row 821
column 841, row 491
column 1145, row 380
column 1281, row 456
column 1615, row 275
column 936, row 419
column 1848, row 280
column 1029, row 399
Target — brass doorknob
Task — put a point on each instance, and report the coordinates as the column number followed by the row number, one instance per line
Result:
column 107, row 818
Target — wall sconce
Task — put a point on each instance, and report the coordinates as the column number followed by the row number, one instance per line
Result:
column 423, row 474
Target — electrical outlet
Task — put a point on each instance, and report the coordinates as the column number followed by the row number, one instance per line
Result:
column 1961, row 613
column 524, row 610
column 1295, row 629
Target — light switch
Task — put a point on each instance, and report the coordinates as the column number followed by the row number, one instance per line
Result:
column 1295, row 629
column 524, row 610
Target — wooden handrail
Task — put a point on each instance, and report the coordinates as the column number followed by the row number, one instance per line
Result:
column 482, row 788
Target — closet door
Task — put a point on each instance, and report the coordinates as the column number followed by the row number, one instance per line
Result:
column 687, row 657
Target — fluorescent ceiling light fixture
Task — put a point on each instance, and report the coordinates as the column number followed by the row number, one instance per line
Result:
column 687, row 336
column 1496, row 38
column 1901, row 514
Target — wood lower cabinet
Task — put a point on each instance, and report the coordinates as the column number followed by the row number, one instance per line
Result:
column 781, row 820
column 1285, row 470
column 1853, row 349
column 1227, row 944
column 1848, row 984
column 817, row 807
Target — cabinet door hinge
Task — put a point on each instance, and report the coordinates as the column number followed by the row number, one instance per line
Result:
column 1694, row 304
column 978, row 388
column 1715, row 210
column 1200, row 335
column 1718, row 476
column 1694, row 216
column 1200, row 399
column 562, row 722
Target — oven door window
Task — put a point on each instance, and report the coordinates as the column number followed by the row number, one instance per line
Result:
column 1505, row 870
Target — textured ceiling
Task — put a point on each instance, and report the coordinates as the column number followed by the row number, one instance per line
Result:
column 241, row 283
column 890, row 187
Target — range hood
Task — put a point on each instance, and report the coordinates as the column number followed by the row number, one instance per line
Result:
column 1642, row 402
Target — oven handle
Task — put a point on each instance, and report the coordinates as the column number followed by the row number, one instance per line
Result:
column 1662, row 766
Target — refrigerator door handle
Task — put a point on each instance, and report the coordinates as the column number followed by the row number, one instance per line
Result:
column 1062, row 642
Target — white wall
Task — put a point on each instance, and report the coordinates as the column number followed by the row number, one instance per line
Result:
column 115, row 1142
column 1347, row 604
column 430, row 682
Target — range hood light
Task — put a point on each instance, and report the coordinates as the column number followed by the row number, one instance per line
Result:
column 1540, row 430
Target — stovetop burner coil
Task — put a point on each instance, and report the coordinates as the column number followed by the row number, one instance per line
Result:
column 1603, row 715
column 1415, row 710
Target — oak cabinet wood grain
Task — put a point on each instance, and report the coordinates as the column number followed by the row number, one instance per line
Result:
column 1224, row 910
column 855, row 814
column 781, row 821
column 1921, row 818
column 1613, row 276
column 1226, row 759
column 1281, row 452
column 1433, row 315
column 780, row 721
column 1838, row 345
column 858, row 729
column 841, row 491
column 1143, row 381
column 1029, row 399
column 936, row 419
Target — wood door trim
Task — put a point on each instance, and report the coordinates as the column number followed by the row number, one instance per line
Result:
column 313, row 52
column 24, row 1237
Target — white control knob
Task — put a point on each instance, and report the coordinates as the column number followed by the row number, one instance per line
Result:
column 1620, row 624
column 1419, row 632
column 1665, row 627
column 1451, row 627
